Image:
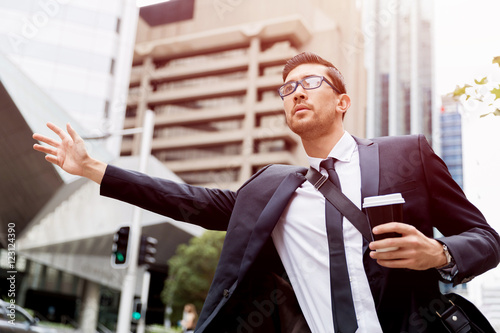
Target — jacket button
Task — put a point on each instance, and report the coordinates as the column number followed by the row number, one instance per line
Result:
column 226, row 293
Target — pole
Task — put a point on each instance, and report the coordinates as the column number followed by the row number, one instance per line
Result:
column 141, row 327
column 129, row 282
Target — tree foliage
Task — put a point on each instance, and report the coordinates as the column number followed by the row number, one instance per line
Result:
column 484, row 90
column 191, row 271
column 496, row 60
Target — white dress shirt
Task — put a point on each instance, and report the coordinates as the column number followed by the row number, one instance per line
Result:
column 301, row 241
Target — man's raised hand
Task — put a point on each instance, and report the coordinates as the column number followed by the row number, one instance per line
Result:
column 70, row 153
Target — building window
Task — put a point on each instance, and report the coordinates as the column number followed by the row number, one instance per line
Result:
column 203, row 58
column 199, row 104
column 203, row 81
column 180, row 154
column 131, row 112
column 193, row 129
column 269, row 146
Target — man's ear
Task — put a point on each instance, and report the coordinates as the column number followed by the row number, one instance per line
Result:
column 344, row 103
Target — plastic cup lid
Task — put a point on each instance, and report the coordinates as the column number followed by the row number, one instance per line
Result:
column 383, row 200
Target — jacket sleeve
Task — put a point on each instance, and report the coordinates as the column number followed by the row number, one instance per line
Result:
column 472, row 242
column 209, row 208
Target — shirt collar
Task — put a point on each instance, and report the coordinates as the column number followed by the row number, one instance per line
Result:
column 342, row 151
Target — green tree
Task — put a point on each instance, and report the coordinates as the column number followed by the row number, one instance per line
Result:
column 483, row 91
column 191, row 271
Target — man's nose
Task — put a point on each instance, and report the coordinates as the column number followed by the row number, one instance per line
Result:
column 299, row 93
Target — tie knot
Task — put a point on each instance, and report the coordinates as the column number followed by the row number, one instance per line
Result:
column 328, row 164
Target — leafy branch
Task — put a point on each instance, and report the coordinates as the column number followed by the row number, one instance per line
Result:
column 483, row 91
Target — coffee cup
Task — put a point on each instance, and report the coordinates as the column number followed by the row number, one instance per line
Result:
column 382, row 209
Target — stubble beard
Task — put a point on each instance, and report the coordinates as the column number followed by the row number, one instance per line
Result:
column 309, row 128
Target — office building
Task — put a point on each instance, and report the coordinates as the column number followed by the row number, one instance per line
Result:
column 78, row 52
column 60, row 61
column 451, row 137
column 398, row 37
column 211, row 74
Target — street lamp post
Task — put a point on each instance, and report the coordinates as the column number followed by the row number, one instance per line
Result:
column 129, row 282
column 141, row 326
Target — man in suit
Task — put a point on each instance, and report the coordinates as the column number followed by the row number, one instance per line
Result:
column 274, row 274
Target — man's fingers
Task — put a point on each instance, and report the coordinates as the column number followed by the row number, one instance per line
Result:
column 386, row 243
column 45, row 149
column 52, row 159
column 72, row 133
column 47, row 140
column 402, row 263
column 398, row 227
column 57, row 130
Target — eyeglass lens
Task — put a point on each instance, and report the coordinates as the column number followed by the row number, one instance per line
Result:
column 310, row 82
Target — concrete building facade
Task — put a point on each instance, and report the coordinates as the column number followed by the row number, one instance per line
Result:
column 212, row 81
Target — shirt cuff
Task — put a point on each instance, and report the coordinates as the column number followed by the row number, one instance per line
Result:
column 449, row 271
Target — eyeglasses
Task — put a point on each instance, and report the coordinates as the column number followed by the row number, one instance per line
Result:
column 308, row 83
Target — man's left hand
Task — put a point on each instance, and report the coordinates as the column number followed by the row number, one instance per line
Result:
column 415, row 250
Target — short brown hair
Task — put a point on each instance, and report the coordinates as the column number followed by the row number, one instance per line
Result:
column 312, row 58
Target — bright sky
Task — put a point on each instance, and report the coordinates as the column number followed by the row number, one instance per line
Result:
column 467, row 38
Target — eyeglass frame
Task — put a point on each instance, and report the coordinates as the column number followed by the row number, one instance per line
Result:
column 300, row 82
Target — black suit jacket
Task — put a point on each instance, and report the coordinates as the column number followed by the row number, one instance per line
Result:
column 250, row 291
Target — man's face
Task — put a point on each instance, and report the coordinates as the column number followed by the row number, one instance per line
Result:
column 311, row 113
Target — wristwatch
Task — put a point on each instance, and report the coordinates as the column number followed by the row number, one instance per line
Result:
column 449, row 258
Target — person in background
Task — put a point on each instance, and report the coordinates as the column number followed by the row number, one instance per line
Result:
column 189, row 318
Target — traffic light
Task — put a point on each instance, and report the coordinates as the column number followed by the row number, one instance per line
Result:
column 120, row 248
column 147, row 250
column 137, row 310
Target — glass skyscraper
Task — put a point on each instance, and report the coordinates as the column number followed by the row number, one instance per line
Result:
column 398, row 41
column 451, row 138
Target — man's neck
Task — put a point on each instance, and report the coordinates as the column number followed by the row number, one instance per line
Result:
column 322, row 146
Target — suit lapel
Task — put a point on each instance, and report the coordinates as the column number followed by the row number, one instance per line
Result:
column 268, row 219
column 370, row 165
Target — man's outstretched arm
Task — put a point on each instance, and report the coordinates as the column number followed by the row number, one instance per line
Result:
column 70, row 153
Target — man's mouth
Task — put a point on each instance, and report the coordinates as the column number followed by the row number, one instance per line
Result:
column 300, row 108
